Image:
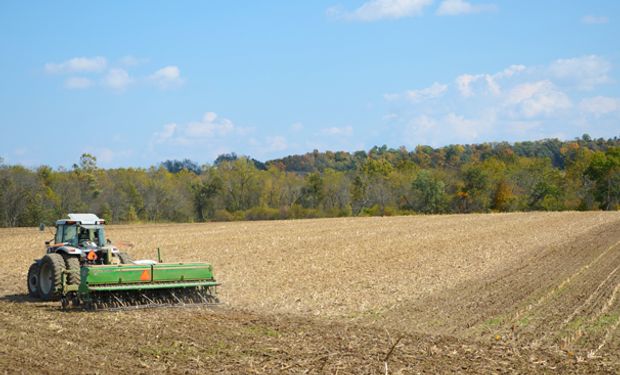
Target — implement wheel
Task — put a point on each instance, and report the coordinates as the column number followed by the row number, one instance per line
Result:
column 50, row 276
column 33, row 280
column 72, row 264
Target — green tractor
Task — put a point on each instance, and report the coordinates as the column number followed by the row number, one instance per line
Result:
column 82, row 268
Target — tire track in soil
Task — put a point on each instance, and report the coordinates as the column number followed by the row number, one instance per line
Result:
column 564, row 331
column 466, row 310
column 545, row 314
column 595, row 309
column 611, row 331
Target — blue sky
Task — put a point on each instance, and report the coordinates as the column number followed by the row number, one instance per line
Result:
column 139, row 82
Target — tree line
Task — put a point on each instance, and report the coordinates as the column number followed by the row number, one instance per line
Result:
column 582, row 174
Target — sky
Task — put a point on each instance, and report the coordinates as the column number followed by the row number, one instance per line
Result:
column 139, row 82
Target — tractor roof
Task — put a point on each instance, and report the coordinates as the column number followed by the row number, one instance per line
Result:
column 83, row 219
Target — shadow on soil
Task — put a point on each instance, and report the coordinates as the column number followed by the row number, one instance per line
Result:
column 19, row 298
column 34, row 302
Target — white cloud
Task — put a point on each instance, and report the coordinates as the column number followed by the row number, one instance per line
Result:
column 297, row 127
column 594, row 20
column 510, row 71
column 513, row 103
column 420, row 130
column 130, row 61
column 449, row 128
column 390, row 117
column 78, row 83
column 391, row 97
column 600, row 105
column 585, row 72
column 456, row 7
column 166, row 77
column 210, row 126
column 465, row 83
column 165, row 134
column 277, row 143
column 466, row 129
column 434, row 91
column 375, row 10
column 115, row 76
column 211, row 136
column 78, row 65
column 117, row 79
column 335, row 131
column 538, row 98
column 106, row 155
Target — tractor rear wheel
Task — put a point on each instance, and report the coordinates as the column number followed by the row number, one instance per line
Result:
column 33, row 280
column 73, row 266
column 50, row 276
column 125, row 258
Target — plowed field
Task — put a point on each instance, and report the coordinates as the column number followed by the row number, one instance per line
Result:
column 495, row 293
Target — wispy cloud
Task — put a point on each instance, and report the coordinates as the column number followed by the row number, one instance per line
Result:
column 450, row 127
column 533, row 101
column 78, row 65
column 600, row 105
column 130, row 61
column 211, row 128
column 468, row 84
column 211, row 125
column 76, row 83
column 166, row 133
column 117, row 79
column 375, row 10
column 297, row 127
column 167, row 77
column 107, row 156
column 211, row 136
column 584, row 72
column 276, row 143
column 594, row 20
column 96, row 71
column 436, row 90
column 338, row 131
column 458, row 7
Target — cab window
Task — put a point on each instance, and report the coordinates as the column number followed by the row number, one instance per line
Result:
column 68, row 234
column 58, row 238
column 85, row 235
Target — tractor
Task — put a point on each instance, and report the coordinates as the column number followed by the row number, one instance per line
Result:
column 83, row 268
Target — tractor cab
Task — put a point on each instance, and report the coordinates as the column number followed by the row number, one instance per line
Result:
column 79, row 235
column 83, row 235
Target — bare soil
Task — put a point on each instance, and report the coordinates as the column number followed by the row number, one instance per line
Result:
column 496, row 293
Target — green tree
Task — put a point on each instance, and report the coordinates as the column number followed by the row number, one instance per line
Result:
column 429, row 193
column 204, row 197
column 604, row 169
column 240, row 184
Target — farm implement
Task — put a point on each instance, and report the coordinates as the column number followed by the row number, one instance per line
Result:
column 83, row 269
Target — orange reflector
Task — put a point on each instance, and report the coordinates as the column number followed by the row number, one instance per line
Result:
column 146, row 275
column 91, row 255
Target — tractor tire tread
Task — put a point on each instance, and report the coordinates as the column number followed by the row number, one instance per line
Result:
column 72, row 264
column 33, row 277
column 57, row 263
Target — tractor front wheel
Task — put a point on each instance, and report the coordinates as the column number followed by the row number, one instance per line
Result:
column 50, row 276
column 33, row 280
